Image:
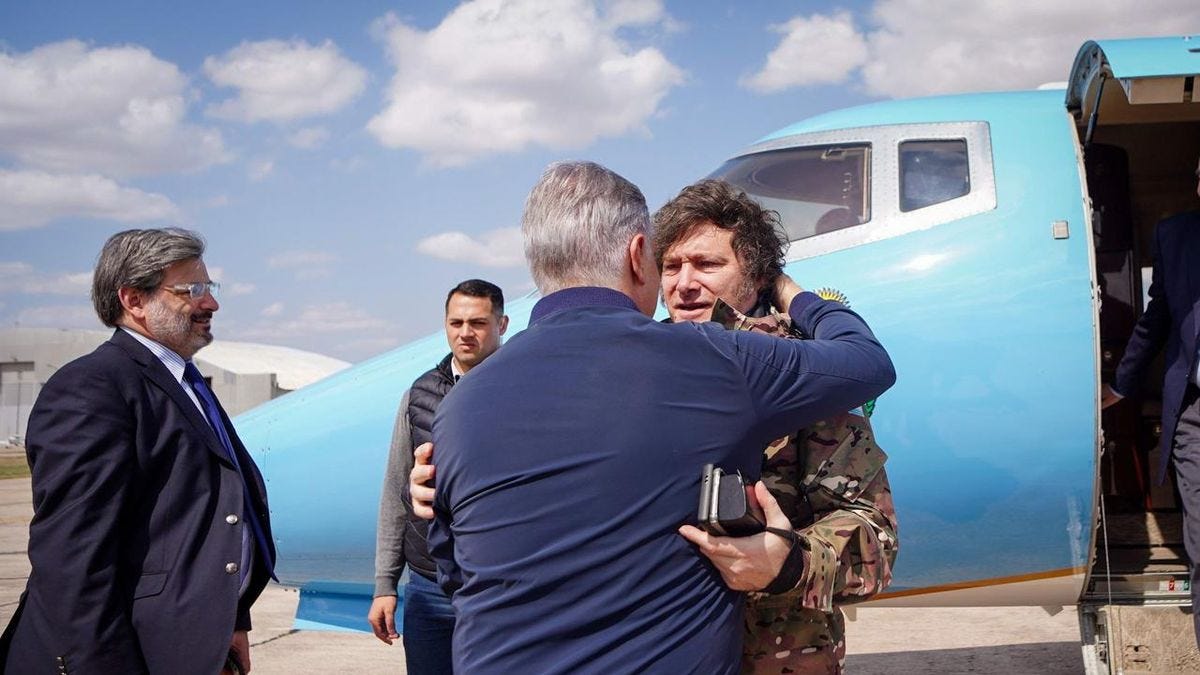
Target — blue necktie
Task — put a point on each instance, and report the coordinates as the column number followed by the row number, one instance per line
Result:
column 193, row 377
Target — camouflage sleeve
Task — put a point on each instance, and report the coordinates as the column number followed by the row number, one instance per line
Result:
column 830, row 481
column 839, row 499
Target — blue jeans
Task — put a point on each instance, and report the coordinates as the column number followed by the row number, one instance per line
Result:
column 428, row 627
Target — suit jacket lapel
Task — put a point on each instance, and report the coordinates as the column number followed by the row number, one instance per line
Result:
column 156, row 372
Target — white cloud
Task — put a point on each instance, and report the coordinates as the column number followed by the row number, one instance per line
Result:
column 369, row 346
column 280, row 81
column 59, row 316
column 64, row 284
column 273, row 309
column 66, row 106
column 918, row 47
column 333, row 317
column 217, row 201
column 305, row 265
column 9, row 270
column 259, row 169
column 498, row 76
column 291, row 259
column 232, row 289
column 648, row 14
column 818, row 49
column 21, row 277
column 347, row 165
column 497, row 248
column 30, row 199
column 309, row 138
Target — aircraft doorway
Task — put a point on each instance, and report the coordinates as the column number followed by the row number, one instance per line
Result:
column 1137, row 174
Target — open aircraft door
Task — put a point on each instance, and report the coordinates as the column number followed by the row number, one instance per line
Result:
column 1137, row 115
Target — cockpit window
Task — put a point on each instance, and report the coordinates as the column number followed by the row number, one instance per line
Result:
column 932, row 172
column 814, row 189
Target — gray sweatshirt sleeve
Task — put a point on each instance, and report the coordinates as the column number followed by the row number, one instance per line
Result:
column 393, row 512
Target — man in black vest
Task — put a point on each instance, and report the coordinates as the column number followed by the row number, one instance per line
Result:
column 475, row 322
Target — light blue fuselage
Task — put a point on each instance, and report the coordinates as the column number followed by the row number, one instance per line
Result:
column 991, row 429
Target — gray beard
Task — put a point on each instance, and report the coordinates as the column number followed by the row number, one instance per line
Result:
column 173, row 329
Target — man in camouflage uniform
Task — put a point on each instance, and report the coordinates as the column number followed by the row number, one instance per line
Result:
column 714, row 244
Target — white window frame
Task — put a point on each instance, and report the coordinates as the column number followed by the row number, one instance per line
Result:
column 886, row 218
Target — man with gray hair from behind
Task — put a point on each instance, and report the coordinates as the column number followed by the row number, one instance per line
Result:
column 567, row 461
column 150, row 537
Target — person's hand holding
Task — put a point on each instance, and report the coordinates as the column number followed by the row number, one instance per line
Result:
column 239, row 647
column 747, row 563
column 1108, row 397
column 382, row 617
column 420, row 481
column 786, row 289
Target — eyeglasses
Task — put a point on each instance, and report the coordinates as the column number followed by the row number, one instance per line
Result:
column 195, row 290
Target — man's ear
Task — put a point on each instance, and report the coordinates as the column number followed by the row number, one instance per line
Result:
column 133, row 301
column 643, row 278
column 503, row 324
column 637, row 259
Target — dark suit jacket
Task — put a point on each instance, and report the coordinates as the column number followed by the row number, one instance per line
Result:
column 1171, row 318
column 131, row 539
column 568, row 459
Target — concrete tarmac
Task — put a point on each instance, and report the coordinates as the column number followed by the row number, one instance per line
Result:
column 991, row 641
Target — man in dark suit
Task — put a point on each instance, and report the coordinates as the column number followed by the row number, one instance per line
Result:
column 568, row 460
column 150, row 538
column 1172, row 318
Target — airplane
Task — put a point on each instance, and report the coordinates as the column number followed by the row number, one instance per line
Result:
column 999, row 246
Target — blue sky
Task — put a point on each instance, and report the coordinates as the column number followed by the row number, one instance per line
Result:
column 350, row 162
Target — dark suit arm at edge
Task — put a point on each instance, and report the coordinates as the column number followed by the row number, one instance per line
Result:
column 393, row 511
column 242, row 621
column 82, row 450
column 1150, row 332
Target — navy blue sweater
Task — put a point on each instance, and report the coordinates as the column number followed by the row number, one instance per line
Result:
column 567, row 461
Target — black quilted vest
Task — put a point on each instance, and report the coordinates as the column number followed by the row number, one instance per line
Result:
column 427, row 393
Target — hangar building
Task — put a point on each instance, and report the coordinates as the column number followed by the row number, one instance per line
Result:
column 242, row 374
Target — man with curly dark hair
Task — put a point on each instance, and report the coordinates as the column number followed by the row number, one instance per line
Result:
column 742, row 242
column 718, row 251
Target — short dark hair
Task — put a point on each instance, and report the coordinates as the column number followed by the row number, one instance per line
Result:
column 478, row 288
column 758, row 238
column 138, row 259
